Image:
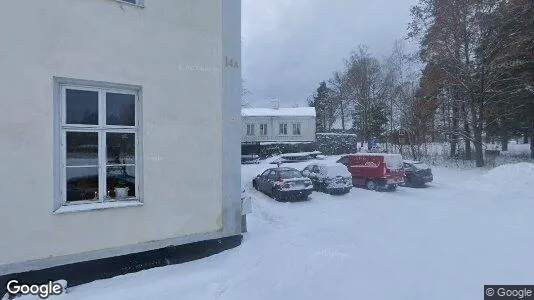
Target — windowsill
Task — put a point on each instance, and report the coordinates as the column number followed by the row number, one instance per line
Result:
column 131, row 4
column 96, row 206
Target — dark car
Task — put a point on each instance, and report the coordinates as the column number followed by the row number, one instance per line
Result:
column 417, row 173
column 329, row 178
column 283, row 184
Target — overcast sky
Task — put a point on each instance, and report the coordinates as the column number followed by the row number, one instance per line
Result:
column 289, row 46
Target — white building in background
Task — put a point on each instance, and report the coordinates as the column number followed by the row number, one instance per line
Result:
column 277, row 125
column 118, row 121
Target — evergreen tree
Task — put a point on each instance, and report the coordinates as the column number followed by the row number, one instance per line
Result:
column 320, row 102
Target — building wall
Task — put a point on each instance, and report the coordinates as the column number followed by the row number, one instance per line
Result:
column 307, row 129
column 174, row 51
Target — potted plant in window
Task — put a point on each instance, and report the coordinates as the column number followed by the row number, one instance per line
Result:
column 121, row 192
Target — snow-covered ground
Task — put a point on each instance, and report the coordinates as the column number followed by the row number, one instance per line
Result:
column 466, row 229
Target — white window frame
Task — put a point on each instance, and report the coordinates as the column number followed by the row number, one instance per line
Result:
column 263, row 129
column 60, row 87
column 250, row 129
column 296, row 126
column 284, row 126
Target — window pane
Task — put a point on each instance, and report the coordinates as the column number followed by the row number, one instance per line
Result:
column 82, row 184
column 120, row 148
column 120, row 109
column 120, row 182
column 82, row 148
column 82, row 107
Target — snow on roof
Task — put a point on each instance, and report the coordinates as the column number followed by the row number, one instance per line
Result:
column 268, row 112
column 335, row 169
column 413, row 162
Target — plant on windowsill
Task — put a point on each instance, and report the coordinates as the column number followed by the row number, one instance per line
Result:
column 121, row 192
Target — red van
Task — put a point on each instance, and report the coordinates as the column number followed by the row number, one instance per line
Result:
column 375, row 170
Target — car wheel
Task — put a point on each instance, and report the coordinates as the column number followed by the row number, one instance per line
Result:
column 254, row 185
column 392, row 187
column 275, row 195
column 370, row 185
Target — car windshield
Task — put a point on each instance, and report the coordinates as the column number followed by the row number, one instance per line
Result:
column 420, row 166
column 288, row 174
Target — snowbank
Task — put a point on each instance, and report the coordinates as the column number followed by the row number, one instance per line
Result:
column 520, row 174
column 510, row 179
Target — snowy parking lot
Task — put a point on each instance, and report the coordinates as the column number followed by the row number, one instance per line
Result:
column 466, row 229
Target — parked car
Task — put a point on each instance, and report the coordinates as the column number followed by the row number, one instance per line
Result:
column 417, row 173
column 329, row 178
column 297, row 157
column 250, row 159
column 283, row 183
column 375, row 171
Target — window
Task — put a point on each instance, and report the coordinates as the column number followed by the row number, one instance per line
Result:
column 272, row 176
column 288, row 174
column 283, row 129
column 250, row 129
column 263, row 129
column 99, row 138
column 296, row 129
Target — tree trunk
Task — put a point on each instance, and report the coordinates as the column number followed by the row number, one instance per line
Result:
column 479, row 151
column 455, row 123
column 467, row 139
column 525, row 137
column 412, row 146
column 476, row 116
column 467, row 133
column 342, row 116
column 504, row 141
column 504, row 135
column 532, row 131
